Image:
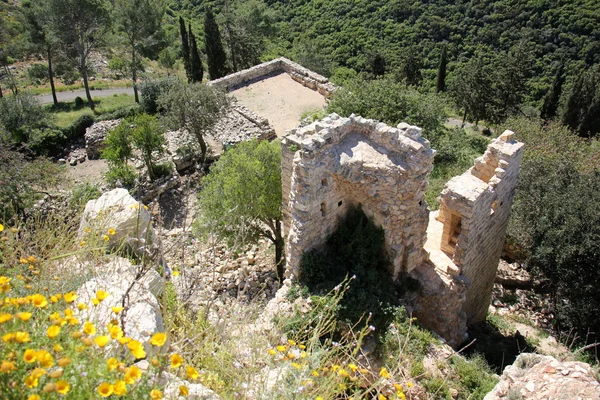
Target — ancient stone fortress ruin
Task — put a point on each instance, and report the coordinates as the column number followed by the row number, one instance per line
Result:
column 337, row 162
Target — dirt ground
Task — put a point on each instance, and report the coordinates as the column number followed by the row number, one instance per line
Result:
column 281, row 100
column 91, row 171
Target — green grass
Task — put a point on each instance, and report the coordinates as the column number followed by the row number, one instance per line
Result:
column 45, row 89
column 66, row 113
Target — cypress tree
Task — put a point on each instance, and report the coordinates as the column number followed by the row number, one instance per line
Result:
column 574, row 104
column 196, row 68
column 185, row 49
column 441, row 77
column 215, row 54
column 552, row 98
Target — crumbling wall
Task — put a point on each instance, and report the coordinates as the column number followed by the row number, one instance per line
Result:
column 336, row 163
column 474, row 211
column 280, row 65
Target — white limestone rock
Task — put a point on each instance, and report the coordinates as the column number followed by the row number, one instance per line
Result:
column 141, row 284
column 118, row 210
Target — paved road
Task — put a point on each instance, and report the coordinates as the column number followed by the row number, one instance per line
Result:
column 70, row 96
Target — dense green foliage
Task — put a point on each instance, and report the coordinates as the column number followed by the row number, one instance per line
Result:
column 151, row 91
column 215, row 54
column 355, row 249
column 240, row 199
column 556, row 218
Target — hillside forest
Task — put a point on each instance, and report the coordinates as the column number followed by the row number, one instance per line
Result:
column 487, row 65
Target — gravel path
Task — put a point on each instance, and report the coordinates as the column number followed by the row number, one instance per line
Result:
column 70, row 96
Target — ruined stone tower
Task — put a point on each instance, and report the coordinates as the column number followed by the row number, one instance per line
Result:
column 337, row 162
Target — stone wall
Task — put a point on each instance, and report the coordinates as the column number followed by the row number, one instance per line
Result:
column 300, row 74
column 474, row 210
column 336, row 163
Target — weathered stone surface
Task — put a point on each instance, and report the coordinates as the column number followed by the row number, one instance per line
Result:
column 331, row 165
column 134, row 287
column 538, row 377
column 300, row 74
column 196, row 391
column 118, row 210
column 336, row 163
column 95, row 137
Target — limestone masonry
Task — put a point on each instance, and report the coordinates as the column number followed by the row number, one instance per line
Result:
column 337, row 162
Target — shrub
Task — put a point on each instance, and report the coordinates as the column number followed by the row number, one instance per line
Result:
column 162, row 170
column 121, row 112
column 83, row 193
column 78, row 127
column 120, row 175
column 47, row 141
column 20, row 114
column 152, row 90
column 79, row 103
column 38, row 72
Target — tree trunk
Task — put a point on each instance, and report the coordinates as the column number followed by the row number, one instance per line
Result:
column 51, row 76
column 148, row 161
column 279, row 246
column 203, row 147
column 134, row 73
column 1, row 94
column 464, row 119
column 83, row 70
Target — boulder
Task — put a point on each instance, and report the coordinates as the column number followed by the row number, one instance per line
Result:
column 139, row 285
column 537, row 377
column 95, row 137
column 197, row 391
column 117, row 210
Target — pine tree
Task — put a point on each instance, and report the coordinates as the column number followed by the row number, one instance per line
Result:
column 441, row 77
column 553, row 96
column 196, row 68
column 185, row 48
column 215, row 54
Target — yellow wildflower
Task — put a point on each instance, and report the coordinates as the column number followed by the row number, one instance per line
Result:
column 57, row 348
column 315, row 373
column 184, row 391
column 272, row 352
column 89, row 328
column 101, row 341
column 353, row 367
column 54, row 299
column 8, row 337
column 7, row 366
column 116, row 309
column 34, row 397
column 101, row 294
column 95, row 301
column 192, row 373
column 281, row 349
column 136, row 348
column 53, row 331
column 156, row 394
column 63, row 387
column 45, row 359
column 22, row 337
column 24, row 316
column 112, row 363
column 291, row 342
column 4, row 317
column 120, row 388
column 31, row 382
column 381, row 397
column 81, row 306
column 39, row 300
column 384, row 373
column 158, row 339
column 111, row 231
column 29, row 356
column 115, row 332
column 1, row 227
column 105, row 389
column 31, row 259
column 70, row 297
column 132, row 374
column 176, row 360
column 105, row 237
column 175, row 273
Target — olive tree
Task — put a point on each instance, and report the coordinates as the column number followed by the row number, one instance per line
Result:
column 240, row 199
column 195, row 107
